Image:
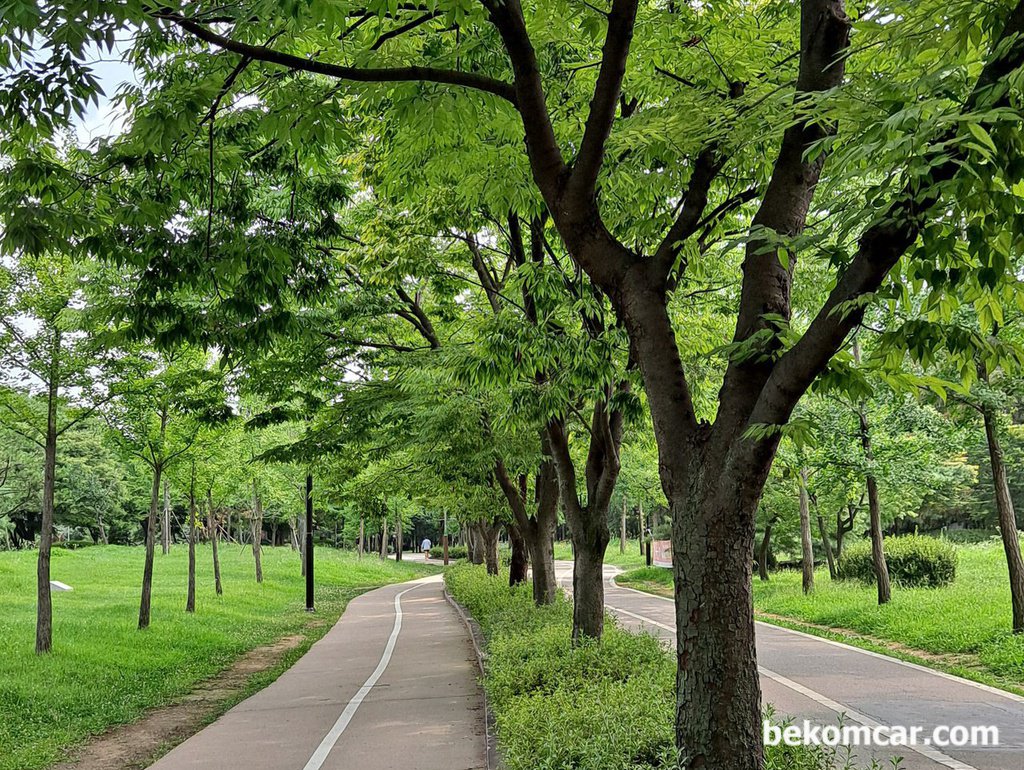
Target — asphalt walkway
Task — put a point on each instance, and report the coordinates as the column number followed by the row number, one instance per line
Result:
column 393, row 686
column 807, row 677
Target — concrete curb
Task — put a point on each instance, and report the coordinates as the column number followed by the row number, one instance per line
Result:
column 490, row 726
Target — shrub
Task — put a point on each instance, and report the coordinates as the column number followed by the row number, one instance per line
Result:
column 454, row 552
column 605, row 705
column 915, row 561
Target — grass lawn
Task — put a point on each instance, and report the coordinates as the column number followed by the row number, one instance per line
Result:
column 965, row 626
column 628, row 560
column 103, row 671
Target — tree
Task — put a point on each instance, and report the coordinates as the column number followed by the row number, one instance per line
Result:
column 712, row 472
column 158, row 416
column 45, row 346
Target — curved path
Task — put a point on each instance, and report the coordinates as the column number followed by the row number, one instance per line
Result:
column 807, row 677
column 394, row 685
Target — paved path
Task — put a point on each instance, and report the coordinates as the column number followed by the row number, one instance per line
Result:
column 393, row 686
column 808, row 677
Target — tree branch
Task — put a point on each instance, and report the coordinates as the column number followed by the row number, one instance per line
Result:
column 545, row 155
column 341, row 72
column 401, row 30
column 605, row 102
column 883, row 243
column 824, row 38
column 705, row 169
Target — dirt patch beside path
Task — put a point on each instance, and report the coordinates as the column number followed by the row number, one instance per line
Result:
column 139, row 744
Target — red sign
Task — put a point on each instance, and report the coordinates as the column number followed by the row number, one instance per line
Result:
column 661, row 553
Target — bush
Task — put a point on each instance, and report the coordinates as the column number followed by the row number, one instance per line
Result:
column 605, row 705
column 454, row 552
column 915, row 561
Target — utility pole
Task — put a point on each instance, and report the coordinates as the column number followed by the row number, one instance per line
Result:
column 444, row 537
column 309, row 542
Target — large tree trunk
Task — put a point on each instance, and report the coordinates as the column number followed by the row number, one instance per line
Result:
column 764, row 550
column 190, row 599
column 1007, row 520
column 166, row 526
column 519, row 565
column 718, row 696
column 213, row 541
column 362, row 535
column 257, row 531
column 147, row 570
column 384, row 538
column 540, row 542
column 875, row 514
column 589, row 547
column 44, row 605
column 806, row 541
column 489, row 535
column 475, row 542
column 473, row 550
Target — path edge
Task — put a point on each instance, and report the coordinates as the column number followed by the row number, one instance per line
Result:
column 476, row 636
column 848, row 639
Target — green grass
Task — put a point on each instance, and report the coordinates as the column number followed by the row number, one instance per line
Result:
column 628, row 560
column 655, row 580
column 965, row 627
column 103, row 671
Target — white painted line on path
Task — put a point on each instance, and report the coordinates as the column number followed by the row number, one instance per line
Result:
column 327, row 744
column 927, row 751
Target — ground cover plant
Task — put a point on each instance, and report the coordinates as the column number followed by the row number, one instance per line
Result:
column 965, row 620
column 598, row 705
column 105, row 672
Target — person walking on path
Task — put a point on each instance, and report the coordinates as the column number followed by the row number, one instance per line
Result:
column 425, row 547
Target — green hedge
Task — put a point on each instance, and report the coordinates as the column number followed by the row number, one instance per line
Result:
column 605, row 705
column 454, row 552
column 915, row 561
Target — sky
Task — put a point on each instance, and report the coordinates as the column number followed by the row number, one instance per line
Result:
column 105, row 119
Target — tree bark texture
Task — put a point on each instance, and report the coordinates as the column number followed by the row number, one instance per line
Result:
column 875, row 515
column 536, row 520
column 257, row 531
column 1007, row 520
column 190, row 599
column 213, row 542
column 147, row 569
column 44, row 602
column 519, row 566
column 806, row 539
